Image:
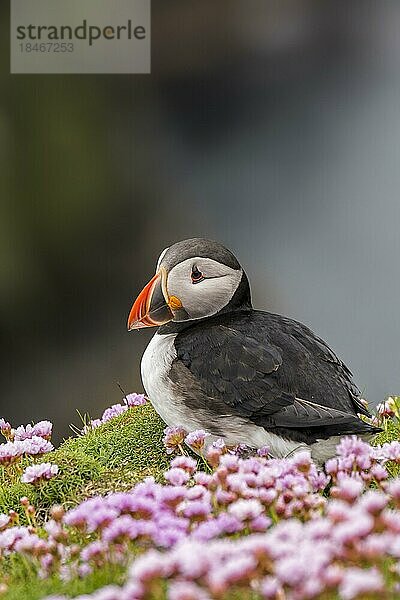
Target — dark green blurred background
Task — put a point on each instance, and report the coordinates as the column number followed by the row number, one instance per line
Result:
column 273, row 127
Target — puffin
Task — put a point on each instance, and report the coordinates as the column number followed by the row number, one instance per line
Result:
column 247, row 376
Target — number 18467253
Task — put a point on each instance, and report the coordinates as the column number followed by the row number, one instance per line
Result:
column 43, row 47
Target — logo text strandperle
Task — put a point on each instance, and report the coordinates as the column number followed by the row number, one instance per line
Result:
column 81, row 32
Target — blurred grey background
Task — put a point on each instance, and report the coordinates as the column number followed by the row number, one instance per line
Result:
column 273, row 127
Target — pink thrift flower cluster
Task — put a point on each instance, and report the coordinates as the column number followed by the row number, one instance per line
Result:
column 5, row 428
column 254, row 527
column 177, row 435
column 41, row 429
column 130, row 401
column 27, row 441
column 196, row 439
column 386, row 411
column 174, row 438
column 38, row 473
column 389, row 408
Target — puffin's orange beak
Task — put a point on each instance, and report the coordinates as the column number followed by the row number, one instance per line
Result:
column 150, row 308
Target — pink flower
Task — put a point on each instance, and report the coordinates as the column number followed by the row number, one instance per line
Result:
column 270, row 588
column 90, row 425
column 302, row 460
column 5, row 428
column 186, row 590
column 332, row 575
column 390, row 451
column 229, row 523
column 373, row 502
column 196, row 439
column 246, row 509
column 260, row 523
column 184, row 462
column 219, row 444
column 202, row 478
column 387, row 408
column 213, row 455
column 379, row 473
column 210, row 534
column 394, row 489
column 125, row 527
column 11, row 452
column 293, row 570
column 41, row 429
column 348, row 489
column 263, row 452
column 173, row 437
column 30, row 544
column 41, row 472
column 114, row 411
column 148, row 566
column 91, row 514
column 332, row 466
column 234, row 569
column 4, row 521
column 36, row 445
column 358, row 526
column 195, row 509
column 135, row 399
column 358, row 581
column 176, row 476
column 109, row 592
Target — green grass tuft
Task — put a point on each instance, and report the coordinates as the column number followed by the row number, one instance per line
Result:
column 25, row 585
column 113, row 456
column 391, row 432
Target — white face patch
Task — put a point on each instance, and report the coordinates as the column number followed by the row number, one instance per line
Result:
column 208, row 296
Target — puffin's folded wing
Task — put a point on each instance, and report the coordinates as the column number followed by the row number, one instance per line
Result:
column 319, row 348
column 234, row 368
column 242, row 374
column 304, row 414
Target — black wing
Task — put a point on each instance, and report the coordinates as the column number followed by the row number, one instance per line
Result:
column 321, row 352
column 266, row 370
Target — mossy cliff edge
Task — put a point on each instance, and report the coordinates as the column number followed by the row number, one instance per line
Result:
column 111, row 457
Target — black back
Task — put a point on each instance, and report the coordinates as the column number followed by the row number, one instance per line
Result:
column 270, row 370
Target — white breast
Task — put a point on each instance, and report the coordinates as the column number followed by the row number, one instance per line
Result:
column 155, row 365
column 170, row 405
column 164, row 396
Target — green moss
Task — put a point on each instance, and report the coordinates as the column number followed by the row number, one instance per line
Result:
column 114, row 456
column 391, row 431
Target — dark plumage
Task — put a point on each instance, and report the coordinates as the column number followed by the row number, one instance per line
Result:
column 240, row 373
column 274, row 371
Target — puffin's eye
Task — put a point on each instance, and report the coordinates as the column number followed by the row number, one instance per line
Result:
column 196, row 275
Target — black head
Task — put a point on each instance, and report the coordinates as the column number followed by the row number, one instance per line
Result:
column 195, row 279
column 197, row 247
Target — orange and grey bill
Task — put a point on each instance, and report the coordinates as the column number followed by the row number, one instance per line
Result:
column 150, row 308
